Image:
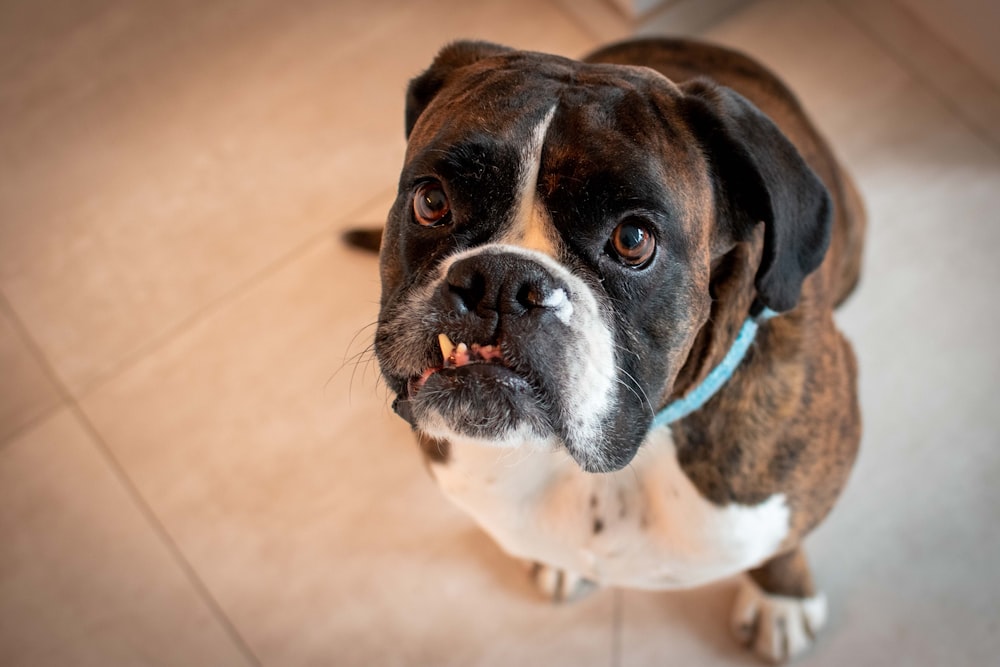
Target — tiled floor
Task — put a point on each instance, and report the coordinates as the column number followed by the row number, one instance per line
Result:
column 193, row 469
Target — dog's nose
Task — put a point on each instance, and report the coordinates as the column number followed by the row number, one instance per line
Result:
column 502, row 284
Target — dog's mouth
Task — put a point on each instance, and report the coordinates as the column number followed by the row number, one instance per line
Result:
column 476, row 390
column 457, row 355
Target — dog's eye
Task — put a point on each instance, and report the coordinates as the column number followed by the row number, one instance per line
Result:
column 430, row 204
column 633, row 242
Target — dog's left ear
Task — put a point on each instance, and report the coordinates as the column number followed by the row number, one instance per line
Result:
column 425, row 87
column 761, row 177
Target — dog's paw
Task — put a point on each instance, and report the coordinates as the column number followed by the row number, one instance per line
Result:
column 560, row 585
column 777, row 628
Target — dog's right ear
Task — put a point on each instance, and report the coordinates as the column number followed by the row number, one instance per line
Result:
column 762, row 178
column 425, row 87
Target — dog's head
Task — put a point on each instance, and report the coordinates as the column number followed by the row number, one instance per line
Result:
column 546, row 266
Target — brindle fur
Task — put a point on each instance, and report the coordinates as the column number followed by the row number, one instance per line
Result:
column 788, row 421
column 787, row 574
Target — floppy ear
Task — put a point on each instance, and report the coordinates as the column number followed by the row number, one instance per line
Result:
column 452, row 57
column 761, row 177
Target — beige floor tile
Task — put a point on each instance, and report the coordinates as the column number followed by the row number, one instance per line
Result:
column 26, row 393
column 687, row 17
column 967, row 27
column 301, row 499
column 601, row 19
column 837, row 72
column 608, row 22
column 970, row 93
column 84, row 579
column 158, row 154
column 918, row 574
column 680, row 627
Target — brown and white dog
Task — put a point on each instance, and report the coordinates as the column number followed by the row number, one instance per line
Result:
column 576, row 245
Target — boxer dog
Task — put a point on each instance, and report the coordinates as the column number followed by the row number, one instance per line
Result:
column 607, row 297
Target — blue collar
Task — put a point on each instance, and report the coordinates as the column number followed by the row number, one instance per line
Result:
column 698, row 396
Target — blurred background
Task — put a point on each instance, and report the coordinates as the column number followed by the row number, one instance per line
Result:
column 197, row 464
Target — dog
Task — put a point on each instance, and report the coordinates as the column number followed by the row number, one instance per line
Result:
column 607, row 313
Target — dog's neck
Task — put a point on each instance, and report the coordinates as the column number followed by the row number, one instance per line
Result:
column 733, row 295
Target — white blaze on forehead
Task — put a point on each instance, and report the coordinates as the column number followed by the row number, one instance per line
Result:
column 531, row 227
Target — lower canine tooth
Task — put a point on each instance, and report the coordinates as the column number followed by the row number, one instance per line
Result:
column 447, row 347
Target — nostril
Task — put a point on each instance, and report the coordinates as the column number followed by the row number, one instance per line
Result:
column 465, row 290
column 466, row 298
column 500, row 284
column 531, row 296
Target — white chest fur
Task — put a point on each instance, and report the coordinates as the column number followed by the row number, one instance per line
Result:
column 645, row 526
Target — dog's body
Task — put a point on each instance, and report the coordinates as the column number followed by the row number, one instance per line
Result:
column 592, row 236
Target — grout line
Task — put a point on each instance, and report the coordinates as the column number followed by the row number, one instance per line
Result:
column 946, row 45
column 617, row 628
column 944, row 98
column 33, row 422
column 274, row 266
column 165, row 538
column 43, row 363
column 68, row 397
column 68, row 401
column 610, row 4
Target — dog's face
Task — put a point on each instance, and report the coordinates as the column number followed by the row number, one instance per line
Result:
column 546, row 266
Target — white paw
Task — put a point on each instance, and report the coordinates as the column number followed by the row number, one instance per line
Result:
column 776, row 627
column 559, row 585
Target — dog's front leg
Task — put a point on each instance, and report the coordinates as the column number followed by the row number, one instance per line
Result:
column 778, row 610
